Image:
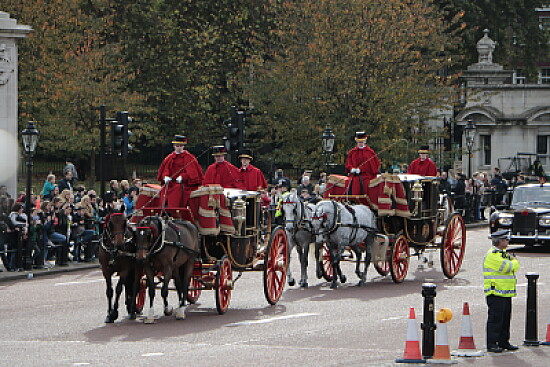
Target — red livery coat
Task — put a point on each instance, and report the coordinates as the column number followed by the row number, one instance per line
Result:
column 224, row 174
column 423, row 167
column 174, row 165
column 252, row 179
column 367, row 161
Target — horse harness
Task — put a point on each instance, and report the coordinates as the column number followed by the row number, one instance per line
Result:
column 160, row 239
column 298, row 222
column 107, row 237
column 337, row 222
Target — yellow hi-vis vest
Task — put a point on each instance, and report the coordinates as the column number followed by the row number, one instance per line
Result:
column 499, row 270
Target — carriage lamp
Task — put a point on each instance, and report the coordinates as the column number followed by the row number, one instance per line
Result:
column 239, row 213
column 417, row 195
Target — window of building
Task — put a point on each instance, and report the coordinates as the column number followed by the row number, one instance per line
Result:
column 542, row 149
column 519, row 77
column 544, row 76
column 486, row 149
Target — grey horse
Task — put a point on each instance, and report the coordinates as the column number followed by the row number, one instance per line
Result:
column 346, row 225
column 297, row 217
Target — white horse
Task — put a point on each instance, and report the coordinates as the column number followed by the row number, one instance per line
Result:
column 297, row 218
column 346, row 225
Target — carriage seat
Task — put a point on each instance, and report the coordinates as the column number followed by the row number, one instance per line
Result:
column 182, row 213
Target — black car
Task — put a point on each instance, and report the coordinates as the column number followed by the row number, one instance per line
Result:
column 528, row 217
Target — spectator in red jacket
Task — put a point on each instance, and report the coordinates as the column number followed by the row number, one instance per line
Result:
column 222, row 172
column 179, row 173
column 423, row 165
column 362, row 164
column 252, row 178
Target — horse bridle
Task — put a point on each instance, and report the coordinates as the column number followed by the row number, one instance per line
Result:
column 324, row 218
column 110, row 235
column 159, row 238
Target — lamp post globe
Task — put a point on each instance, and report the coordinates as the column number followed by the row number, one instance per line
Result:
column 29, row 136
column 328, row 139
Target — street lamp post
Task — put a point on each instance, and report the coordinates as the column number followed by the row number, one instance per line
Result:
column 30, row 139
column 328, row 146
column 470, row 132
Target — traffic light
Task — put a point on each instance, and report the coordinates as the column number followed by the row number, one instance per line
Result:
column 120, row 134
column 235, row 133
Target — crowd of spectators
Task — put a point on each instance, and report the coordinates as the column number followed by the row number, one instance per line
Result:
column 65, row 221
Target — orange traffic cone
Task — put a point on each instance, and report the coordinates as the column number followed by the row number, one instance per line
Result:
column 412, row 346
column 547, row 341
column 466, row 345
column 442, row 353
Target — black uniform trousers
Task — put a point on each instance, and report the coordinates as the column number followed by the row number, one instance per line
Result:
column 498, row 321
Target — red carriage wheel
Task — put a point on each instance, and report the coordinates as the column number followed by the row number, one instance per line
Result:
column 275, row 265
column 453, row 244
column 383, row 266
column 399, row 260
column 195, row 289
column 326, row 263
column 140, row 296
column 224, row 285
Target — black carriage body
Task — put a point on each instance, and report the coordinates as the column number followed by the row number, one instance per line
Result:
column 242, row 245
column 422, row 227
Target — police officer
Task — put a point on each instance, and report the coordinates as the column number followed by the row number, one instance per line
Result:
column 499, row 282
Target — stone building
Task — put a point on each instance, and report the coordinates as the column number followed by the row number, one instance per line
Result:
column 510, row 115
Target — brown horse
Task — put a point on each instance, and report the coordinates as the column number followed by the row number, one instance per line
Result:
column 167, row 248
column 117, row 255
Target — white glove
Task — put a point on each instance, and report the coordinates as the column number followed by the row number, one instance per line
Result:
column 167, row 179
column 179, row 179
column 355, row 170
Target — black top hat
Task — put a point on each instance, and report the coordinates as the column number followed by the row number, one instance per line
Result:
column 246, row 153
column 424, row 149
column 179, row 139
column 361, row 136
column 219, row 150
column 503, row 233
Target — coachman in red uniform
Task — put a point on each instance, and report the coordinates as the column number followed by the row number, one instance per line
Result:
column 252, row 178
column 180, row 173
column 423, row 165
column 362, row 165
column 222, row 172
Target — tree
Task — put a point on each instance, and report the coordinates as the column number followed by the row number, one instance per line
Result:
column 514, row 24
column 350, row 64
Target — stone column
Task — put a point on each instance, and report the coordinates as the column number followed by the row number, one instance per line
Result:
column 10, row 34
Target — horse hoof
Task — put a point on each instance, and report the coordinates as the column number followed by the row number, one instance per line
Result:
column 304, row 285
column 113, row 315
column 319, row 274
column 108, row 320
column 168, row 310
column 132, row 316
column 343, row 278
column 291, row 282
column 333, row 286
column 180, row 313
column 361, row 283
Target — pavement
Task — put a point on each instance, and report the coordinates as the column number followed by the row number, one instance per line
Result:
column 6, row 276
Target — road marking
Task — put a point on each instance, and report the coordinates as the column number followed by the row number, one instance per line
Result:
column 152, row 354
column 81, row 364
column 82, row 282
column 393, row 318
column 272, row 319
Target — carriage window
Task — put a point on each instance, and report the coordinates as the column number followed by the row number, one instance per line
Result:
column 486, row 149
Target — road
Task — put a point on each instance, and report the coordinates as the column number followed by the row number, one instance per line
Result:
column 58, row 321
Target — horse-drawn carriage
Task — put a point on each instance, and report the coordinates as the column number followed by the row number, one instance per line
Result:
column 412, row 214
column 234, row 235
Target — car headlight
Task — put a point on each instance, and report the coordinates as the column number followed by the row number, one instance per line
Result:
column 544, row 221
column 505, row 219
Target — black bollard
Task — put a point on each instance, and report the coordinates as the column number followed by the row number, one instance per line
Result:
column 428, row 326
column 531, row 334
